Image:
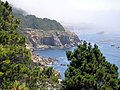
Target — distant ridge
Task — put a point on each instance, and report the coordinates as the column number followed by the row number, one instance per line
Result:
column 31, row 21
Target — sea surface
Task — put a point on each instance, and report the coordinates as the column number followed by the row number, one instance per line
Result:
column 109, row 44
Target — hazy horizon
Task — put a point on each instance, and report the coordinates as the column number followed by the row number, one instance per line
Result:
column 102, row 13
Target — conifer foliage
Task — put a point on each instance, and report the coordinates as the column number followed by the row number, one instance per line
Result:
column 17, row 71
column 89, row 70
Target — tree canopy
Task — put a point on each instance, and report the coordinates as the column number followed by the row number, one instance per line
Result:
column 89, row 70
column 17, row 71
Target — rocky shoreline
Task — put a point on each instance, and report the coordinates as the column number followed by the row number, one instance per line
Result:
column 37, row 38
column 43, row 61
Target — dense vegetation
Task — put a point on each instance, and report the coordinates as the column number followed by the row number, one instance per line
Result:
column 89, row 70
column 17, row 71
column 31, row 21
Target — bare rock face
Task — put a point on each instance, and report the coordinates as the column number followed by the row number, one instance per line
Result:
column 48, row 41
column 51, row 39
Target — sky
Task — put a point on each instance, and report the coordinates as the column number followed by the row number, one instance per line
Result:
column 105, row 13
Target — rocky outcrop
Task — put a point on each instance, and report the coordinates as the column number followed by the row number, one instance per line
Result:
column 51, row 39
column 44, row 62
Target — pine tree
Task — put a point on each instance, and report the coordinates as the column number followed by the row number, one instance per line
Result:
column 89, row 70
column 17, row 71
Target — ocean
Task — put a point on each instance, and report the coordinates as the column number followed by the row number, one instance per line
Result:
column 109, row 44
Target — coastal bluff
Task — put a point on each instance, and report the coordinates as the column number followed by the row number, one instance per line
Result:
column 38, row 38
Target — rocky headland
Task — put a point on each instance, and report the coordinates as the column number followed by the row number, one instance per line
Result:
column 38, row 38
column 43, row 32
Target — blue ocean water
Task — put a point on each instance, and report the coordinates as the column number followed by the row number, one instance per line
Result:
column 109, row 44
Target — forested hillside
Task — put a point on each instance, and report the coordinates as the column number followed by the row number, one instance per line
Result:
column 31, row 21
column 17, row 71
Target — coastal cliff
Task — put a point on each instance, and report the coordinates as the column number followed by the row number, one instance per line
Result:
column 44, row 33
column 50, row 39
